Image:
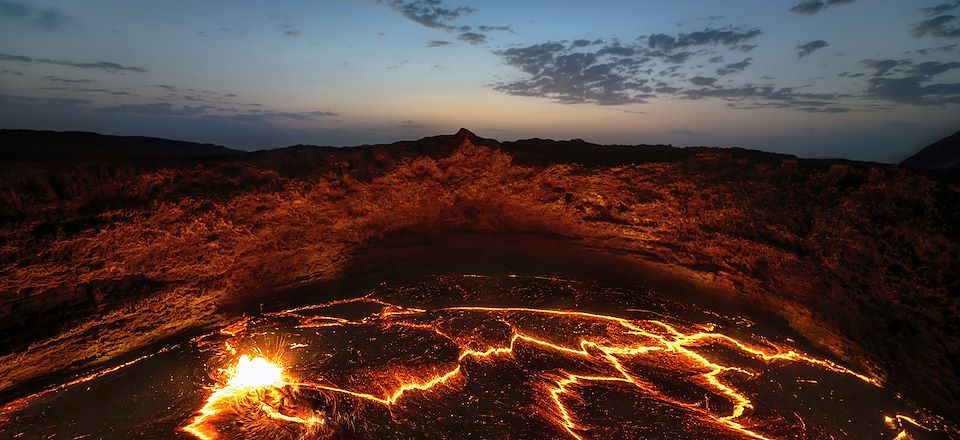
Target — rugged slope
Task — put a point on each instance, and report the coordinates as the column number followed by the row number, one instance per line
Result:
column 99, row 260
column 941, row 159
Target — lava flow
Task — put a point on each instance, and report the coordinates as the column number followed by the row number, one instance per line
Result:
column 488, row 372
column 258, row 382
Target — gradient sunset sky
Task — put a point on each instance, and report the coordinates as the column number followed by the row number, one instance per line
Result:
column 861, row 79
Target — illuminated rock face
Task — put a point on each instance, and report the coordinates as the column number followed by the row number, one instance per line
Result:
column 858, row 260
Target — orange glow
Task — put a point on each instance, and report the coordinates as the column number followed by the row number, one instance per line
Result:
column 245, row 379
column 255, row 373
column 650, row 337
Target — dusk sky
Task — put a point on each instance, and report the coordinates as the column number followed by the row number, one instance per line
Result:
column 861, row 79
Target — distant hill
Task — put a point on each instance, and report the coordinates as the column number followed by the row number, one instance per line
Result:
column 30, row 146
column 75, row 146
column 941, row 159
column 51, row 147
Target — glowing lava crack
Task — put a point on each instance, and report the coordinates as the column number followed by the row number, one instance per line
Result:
column 418, row 359
column 256, row 381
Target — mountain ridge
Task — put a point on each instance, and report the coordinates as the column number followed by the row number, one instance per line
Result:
column 939, row 159
column 21, row 145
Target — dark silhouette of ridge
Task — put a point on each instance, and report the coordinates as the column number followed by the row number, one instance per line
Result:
column 33, row 146
column 940, row 159
column 51, row 147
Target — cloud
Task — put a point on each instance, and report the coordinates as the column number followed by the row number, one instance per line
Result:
column 12, row 72
column 943, row 26
column 47, row 18
column 483, row 28
column 88, row 90
column 882, row 67
column 808, row 48
column 810, row 7
column 429, row 13
column 438, row 15
column 913, row 86
column 472, row 38
column 98, row 65
column 925, row 51
column 67, row 80
column 51, row 19
column 914, row 90
column 166, row 109
column 438, row 43
column 940, row 9
column 560, row 72
column 14, row 10
column 614, row 73
column 202, row 96
column 724, row 37
column 932, row 68
column 831, row 110
column 734, row 67
column 584, row 43
column 749, row 97
column 157, row 109
column 289, row 28
column 255, row 116
column 702, row 81
column 72, row 105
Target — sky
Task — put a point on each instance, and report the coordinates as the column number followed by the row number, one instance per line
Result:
column 860, row 79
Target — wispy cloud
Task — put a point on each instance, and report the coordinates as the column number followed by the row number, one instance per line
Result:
column 702, row 81
column 438, row 15
column 915, row 85
column 734, row 67
column 806, row 49
column 88, row 90
column 430, row 13
column 44, row 18
column 472, row 38
column 289, row 28
column 882, row 67
column 67, row 80
column 940, row 9
column 810, row 7
column 98, row 65
column 944, row 26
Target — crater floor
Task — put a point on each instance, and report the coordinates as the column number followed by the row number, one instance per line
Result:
column 478, row 356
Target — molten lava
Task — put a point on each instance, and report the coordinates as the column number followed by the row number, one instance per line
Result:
column 542, row 366
column 255, row 373
column 257, row 382
column 561, row 366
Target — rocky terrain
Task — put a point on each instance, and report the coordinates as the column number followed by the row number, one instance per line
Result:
column 105, row 254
